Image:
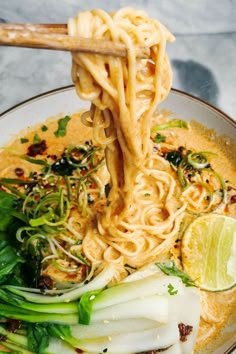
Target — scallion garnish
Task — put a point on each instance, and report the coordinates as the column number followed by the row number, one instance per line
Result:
column 176, row 123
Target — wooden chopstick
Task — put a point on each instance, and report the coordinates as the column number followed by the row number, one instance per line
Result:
column 36, row 27
column 53, row 36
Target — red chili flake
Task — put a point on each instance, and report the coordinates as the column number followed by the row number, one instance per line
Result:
column 233, row 199
column 37, row 149
column 184, row 331
column 19, row 171
column 83, row 270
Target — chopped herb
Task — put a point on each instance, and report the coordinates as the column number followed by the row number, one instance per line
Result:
column 62, row 125
column 171, row 290
column 44, row 128
column 36, row 139
column 176, row 123
column 169, row 268
column 160, row 138
column 147, row 195
column 24, row 140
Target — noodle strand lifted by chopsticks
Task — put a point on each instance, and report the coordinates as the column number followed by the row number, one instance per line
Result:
column 142, row 216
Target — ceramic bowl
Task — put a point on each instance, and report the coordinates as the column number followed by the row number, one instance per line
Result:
column 63, row 101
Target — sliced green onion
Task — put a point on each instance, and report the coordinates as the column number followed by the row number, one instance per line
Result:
column 16, row 181
column 221, row 181
column 81, row 258
column 198, row 160
column 180, row 172
column 64, row 269
column 59, row 204
column 176, row 123
column 14, row 191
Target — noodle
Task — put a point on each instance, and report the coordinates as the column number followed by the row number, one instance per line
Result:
column 124, row 94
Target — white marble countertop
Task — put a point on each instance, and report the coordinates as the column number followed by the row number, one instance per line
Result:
column 203, row 56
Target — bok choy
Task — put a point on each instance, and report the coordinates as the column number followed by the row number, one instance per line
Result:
column 139, row 314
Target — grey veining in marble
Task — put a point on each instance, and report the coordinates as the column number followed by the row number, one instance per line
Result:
column 203, row 56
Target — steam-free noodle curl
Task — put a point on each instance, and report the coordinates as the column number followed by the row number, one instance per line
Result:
column 137, row 223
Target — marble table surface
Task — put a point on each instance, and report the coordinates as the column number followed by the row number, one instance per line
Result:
column 203, row 56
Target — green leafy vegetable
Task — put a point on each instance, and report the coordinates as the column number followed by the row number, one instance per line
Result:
column 8, row 260
column 14, row 300
column 59, row 331
column 169, row 268
column 62, row 125
column 126, row 312
column 36, row 139
column 86, row 306
column 7, row 202
column 37, row 338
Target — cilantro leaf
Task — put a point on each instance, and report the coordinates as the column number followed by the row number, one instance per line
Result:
column 24, row 140
column 171, row 290
column 44, row 128
column 169, row 268
column 62, row 125
column 36, row 139
column 160, row 138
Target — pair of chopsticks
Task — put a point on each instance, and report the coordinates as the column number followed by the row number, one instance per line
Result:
column 55, row 37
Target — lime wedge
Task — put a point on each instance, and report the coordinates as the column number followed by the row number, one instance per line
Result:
column 209, row 252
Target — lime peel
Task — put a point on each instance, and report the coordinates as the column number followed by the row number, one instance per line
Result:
column 209, row 252
column 231, row 265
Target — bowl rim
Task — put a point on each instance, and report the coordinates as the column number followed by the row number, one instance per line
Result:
column 70, row 87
